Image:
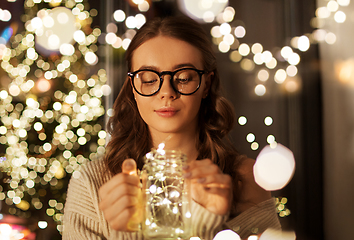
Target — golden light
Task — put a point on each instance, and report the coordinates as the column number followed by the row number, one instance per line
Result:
column 286, row 52
column 268, row 120
column 270, row 139
column 43, row 85
column 344, row 71
column 292, row 85
column 197, row 8
column 79, row 36
column 257, row 48
column 303, row 43
column 227, row 235
column 332, row 6
column 228, row 14
column 5, row 15
column 330, row 38
column 244, row 49
column 247, row 65
column 291, row 70
column 254, row 146
column 322, row 12
column 5, row 230
column 272, row 63
column 240, row 32
column 111, row 38
column 224, row 47
column 54, row 28
column 235, row 56
column 263, row 75
column 260, row 90
column 280, row 76
column 257, row 59
column 340, row 17
column 242, row 120
column 274, row 167
column 42, row 224
column 343, row 3
column 67, row 49
column 272, row 234
column 225, row 28
column 144, row 6
column 250, row 137
column 294, row 59
column 119, row 15
column 319, row 34
column 91, row 58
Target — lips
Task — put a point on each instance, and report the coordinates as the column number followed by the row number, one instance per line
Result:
column 166, row 112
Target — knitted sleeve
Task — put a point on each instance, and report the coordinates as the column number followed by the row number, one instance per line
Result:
column 256, row 219
column 206, row 224
column 82, row 218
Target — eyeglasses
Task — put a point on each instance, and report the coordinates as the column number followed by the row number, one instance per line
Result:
column 185, row 81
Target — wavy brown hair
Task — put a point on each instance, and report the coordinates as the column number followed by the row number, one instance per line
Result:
column 130, row 136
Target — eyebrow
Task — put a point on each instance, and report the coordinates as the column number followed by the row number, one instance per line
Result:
column 182, row 65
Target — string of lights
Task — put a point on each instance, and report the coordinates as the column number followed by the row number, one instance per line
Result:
column 52, row 106
column 51, row 101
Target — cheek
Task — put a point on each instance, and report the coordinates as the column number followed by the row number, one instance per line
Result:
column 143, row 107
column 194, row 105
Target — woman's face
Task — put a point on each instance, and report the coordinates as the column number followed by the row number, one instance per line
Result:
column 168, row 111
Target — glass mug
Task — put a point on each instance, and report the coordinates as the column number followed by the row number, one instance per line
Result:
column 166, row 196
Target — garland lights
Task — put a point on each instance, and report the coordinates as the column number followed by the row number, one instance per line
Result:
column 51, row 108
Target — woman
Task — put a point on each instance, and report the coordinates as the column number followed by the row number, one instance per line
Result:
column 172, row 92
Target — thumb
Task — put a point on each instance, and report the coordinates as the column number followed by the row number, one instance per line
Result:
column 129, row 167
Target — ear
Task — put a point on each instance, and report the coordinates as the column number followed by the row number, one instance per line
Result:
column 208, row 79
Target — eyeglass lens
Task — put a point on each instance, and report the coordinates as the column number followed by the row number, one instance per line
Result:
column 185, row 81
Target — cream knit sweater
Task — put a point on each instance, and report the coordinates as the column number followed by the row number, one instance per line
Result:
column 83, row 220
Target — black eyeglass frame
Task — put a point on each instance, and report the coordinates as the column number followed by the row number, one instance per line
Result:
column 161, row 74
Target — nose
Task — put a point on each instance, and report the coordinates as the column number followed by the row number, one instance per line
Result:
column 167, row 90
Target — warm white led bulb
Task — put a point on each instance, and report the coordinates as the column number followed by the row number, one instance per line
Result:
column 272, row 234
column 274, row 167
column 227, row 235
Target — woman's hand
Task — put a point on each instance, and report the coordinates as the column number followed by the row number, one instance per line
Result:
column 120, row 198
column 210, row 187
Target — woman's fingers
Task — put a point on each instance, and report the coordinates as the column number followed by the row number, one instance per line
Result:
column 215, row 181
column 122, row 219
column 119, row 192
column 118, row 186
column 129, row 167
column 120, row 198
column 201, row 168
column 120, row 206
column 208, row 174
column 116, row 181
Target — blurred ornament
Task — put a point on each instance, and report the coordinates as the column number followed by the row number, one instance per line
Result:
column 54, row 28
column 43, row 85
column 227, row 235
column 272, row 234
column 202, row 9
column 274, row 167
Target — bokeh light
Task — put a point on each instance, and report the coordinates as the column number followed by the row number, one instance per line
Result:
column 227, row 235
column 197, row 8
column 242, row 120
column 274, row 167
column 272, row 234
column 268, row 121
column 260, row 90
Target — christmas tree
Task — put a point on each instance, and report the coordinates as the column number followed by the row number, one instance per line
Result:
column 51, row 106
